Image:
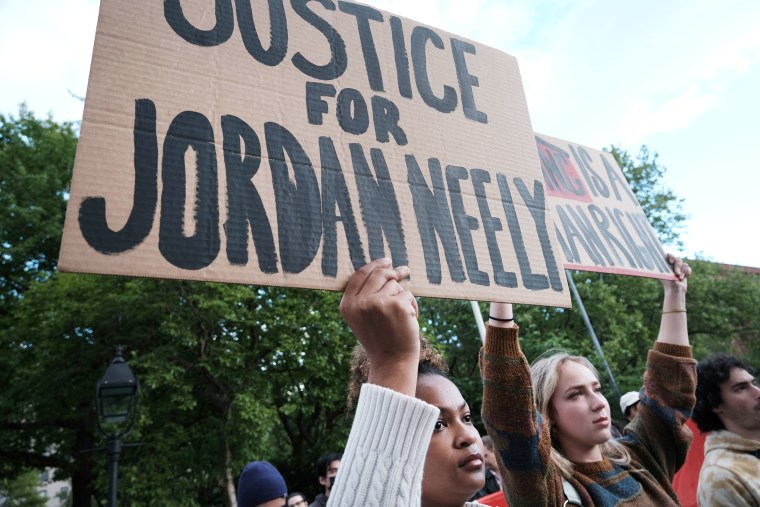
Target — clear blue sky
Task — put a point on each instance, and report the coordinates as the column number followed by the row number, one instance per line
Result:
column 681, row 77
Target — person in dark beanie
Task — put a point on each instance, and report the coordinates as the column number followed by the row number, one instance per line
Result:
column 261, row 485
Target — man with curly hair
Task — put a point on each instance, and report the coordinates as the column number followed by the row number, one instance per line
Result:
column 728, row 406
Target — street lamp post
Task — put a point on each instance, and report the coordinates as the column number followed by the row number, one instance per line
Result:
column 116, row 400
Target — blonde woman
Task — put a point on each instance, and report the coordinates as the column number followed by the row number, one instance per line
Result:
column 551, row 422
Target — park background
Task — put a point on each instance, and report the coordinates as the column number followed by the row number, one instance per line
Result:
column 233, row 373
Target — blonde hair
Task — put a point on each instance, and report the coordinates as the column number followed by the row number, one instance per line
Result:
column 544, row 373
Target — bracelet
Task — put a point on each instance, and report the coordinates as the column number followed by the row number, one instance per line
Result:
column 500, row 320
column 677, row 310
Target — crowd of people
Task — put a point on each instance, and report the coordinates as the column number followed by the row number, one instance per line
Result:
column 551, row 439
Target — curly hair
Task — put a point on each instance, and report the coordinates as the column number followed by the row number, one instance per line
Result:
column 711, row 373
column 431, row 363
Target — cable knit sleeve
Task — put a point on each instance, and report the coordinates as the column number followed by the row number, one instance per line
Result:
column 521, row 438
column 385, row 454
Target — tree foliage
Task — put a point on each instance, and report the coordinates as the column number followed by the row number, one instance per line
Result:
column 232, row 373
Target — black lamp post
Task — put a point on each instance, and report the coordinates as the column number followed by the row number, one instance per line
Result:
column 117, row 399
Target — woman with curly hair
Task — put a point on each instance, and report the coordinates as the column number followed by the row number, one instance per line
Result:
column 551, row 424
column 412, row 441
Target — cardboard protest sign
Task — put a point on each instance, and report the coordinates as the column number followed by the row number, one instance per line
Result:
column 598, row 220
column 290, row 142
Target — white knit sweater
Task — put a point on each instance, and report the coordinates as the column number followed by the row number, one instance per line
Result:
column 385, row 454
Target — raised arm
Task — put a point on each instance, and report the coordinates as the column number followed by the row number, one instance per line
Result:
column 673, row 327
column 383, row 316
column 384, row 457
column 521, row 438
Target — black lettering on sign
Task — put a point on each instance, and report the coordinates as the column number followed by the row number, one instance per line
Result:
column 338, row 61
column 353, row 116
column 645, row 253
column 278, row 34
column 315, row 106
column 536, row 204
column 299, row 209
column 434, row 219
column 420, row 37
column 221, row 32
column 593, row 180
column 380, row 210
column 563, row 244
column 245, row 208
column 363, row 15
column 572, row 234
column 616, row 216
column 92, row 212
column 658, row 255
column 491, row 225
column 385, row 116
column 189, row 129
column 335, row 195
column 401, row 58
column 466, row 80
column 594, row 242
column 616, row 179
column 465, row 223
column 603, row 226
column 648, row 251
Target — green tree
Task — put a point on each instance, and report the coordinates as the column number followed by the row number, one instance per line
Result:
column 21, row 491
column 36, row 159
column 663, row 208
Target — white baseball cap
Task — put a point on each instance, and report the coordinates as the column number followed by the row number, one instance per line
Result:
column 628, row 399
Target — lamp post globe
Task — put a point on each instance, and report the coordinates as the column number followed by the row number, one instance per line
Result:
column 116, row 401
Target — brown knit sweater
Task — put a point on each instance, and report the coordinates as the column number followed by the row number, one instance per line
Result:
column 657, row 438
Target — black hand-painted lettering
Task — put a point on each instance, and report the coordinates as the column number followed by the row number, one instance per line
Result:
column 385, row 116
column 596, row 246
column 648, row 252
column 401, row 58
column 465, row 224
column 335, row 195
column 225, row 23
column 338, row 61
column 466, row 80
column 434, row 218
column 380, row 211
column 363, row 15
column 278, row 32
column 593, row 180
column 299, row 209
column 420, row 37
column 572, row 234
column 189, row 129
column 315, row 106
column 92, row 212
column 656, row 251
column 537, row 207
column 603, row 225
column 353, row 115
column 616, row 215
column 491, row 224
column 615, row 177
column 244, row 205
